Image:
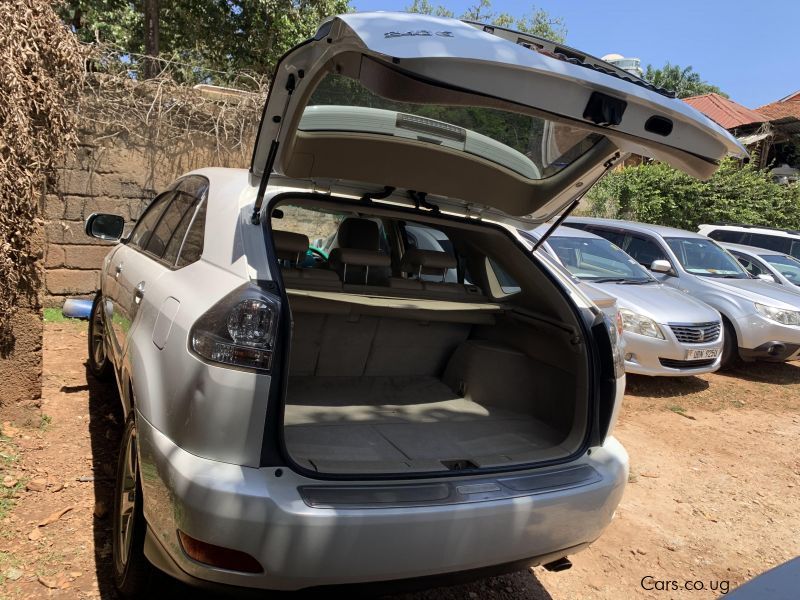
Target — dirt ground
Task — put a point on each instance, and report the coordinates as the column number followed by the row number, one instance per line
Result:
column 714, row 492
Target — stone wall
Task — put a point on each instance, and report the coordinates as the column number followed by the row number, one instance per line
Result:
column 121, row 176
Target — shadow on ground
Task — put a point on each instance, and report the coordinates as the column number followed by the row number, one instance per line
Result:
column 784, row 373
column 104, row 432
column 663, row 387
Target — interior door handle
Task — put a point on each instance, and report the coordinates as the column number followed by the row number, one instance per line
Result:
column 138, row 292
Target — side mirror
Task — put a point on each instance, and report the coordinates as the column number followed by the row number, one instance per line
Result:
column 662, row 266
column 318, row 243
column 766, row 277
column 105, row 227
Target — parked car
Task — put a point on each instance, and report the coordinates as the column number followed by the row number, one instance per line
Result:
column 786, row 241
column 364, row 419
column 666, row 332
column 761, row 320
column 767, row 264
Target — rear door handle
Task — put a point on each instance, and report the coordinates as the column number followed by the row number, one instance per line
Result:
column 138, row 292
column 118, row 270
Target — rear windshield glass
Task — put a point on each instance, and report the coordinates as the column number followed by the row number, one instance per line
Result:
column 704, row 257
column 597, row 260
column 531, row 146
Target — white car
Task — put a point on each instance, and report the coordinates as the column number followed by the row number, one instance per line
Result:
column 784, row 241
column 301, row 419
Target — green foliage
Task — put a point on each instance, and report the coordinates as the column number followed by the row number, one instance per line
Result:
column 685, row 82
column 657, row 193
column 224, row 36
column 538, row 22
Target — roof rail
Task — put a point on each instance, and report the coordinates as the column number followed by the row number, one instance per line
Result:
column 568, row 54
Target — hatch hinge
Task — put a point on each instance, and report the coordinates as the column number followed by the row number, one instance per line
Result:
column 255, row 218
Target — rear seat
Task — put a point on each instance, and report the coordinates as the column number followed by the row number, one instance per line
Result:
column 364, row 268
column 418, row 262
column 291, row 251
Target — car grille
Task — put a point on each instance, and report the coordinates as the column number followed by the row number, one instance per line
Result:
column 686, row 364
column 699, row 333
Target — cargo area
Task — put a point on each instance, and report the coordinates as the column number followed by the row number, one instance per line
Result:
column 423, row 346
column 386, row 394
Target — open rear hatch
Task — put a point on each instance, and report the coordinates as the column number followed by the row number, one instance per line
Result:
column 424, row 341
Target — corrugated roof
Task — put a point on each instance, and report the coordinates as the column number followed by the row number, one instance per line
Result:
column 726, row 112
column 782, row 108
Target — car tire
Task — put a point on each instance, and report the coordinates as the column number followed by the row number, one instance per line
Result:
column 730, row 347
column 99, row 365
column 133, row 574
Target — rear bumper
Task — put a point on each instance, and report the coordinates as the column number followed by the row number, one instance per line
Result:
column 300, row 546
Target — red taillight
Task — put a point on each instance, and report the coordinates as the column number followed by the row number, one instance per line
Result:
column 217, row 556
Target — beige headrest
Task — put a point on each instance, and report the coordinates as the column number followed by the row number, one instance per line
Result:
column 290, row 246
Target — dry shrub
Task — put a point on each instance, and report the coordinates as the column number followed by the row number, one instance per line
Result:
column 163, row 114
column 41, row 68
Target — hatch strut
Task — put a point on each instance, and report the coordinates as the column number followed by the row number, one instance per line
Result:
column 255, row 218
column 608, row 164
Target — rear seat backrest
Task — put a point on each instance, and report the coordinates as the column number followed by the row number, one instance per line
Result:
column 292, row 247
column 359, row 253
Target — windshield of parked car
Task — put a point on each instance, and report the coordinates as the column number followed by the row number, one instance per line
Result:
column 597, row 260
column 534, row 147
column 703, row 257
column 786, row 265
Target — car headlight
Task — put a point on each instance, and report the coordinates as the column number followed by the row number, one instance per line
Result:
column 636, row 323
column 779, row 315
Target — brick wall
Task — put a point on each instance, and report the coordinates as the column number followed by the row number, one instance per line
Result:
column 117, row 176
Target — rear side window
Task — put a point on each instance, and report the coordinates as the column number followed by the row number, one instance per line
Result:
column 193, row 244
column 749, row 265
column 726, row 235
column 644, row 250
column 176, row 241
column 147, row 222
column 772, row 242
column 615, row 237
column 170, row 226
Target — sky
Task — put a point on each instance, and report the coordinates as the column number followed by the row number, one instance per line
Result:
column 747, row 48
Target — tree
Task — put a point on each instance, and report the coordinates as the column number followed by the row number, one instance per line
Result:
column 213, row 40
column 657, row 193
column 538, row 22
column 685, row 82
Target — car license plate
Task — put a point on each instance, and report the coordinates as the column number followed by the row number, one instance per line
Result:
column 702, row 354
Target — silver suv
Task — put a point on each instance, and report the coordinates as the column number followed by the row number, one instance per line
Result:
column 761, row 319
column 384, row 408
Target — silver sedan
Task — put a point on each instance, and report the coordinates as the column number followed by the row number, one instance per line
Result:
column 665, row 331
